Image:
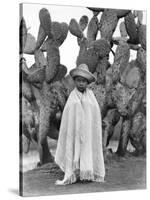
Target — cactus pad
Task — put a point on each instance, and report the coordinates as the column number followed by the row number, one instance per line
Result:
column 100, row 94
column 30, row 45
column 40, row 59
column 121, row 13
column 41, row 37
column 83, row 22
column 131, row 76
column 45, row 20
column 101, row 70
column 59, row 31
column 75, row 28
column 108, row 23
column 37, row 76
column 121, row 96
column 142, row 35
column 53, row 61
column 123, row 31
column 89, row 57
column 62, row 70
column 26, row 91
column 138, row 133
column 141, row 59
column 121, row 59
column 102, row 47
column 92, row 29
column 131, row 28
column 59, row 92
column 56, row 30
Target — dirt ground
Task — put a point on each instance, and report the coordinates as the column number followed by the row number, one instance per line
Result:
column 128, row 173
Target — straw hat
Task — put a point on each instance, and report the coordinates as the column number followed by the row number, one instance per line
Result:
column 82, row 70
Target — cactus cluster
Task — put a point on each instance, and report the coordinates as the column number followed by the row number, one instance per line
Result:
column 40, row 81
column 88, row 44
column 120, row 87
column 118, row 84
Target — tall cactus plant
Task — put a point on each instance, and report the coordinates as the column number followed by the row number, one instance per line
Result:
column 39, row 84
column 125, row 80
column 120, row 87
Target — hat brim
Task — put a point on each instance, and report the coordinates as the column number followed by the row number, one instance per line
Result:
column 79, row 72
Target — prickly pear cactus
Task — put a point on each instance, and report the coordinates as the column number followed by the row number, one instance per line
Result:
column 138, row 133
column 59, row 32
column 92, row 29
column 37, row 76
column 102, row 47
column 108, row 23
column 74, row 28
column 121, row 13
column 131, row 76
column 41, row 37
column 64, row 33
column 53, row 61
column 38, row 80
column 30, row 44
column 100, row 94
column 123, row 31
column 92, row 50
column 131, row 28
column 89, row 57
column 141, row 59
column 120, row 86
column 122, row 79
column 27, row 91
column 121, row 59
column 142, row 35
column 40, row 59
column 45, row 20
column 83, row 22
column 121, row 96
column 103, row 65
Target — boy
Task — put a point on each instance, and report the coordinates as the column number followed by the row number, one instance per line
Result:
column 79, row 150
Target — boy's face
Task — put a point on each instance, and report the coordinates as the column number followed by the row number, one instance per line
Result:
column 81, row 83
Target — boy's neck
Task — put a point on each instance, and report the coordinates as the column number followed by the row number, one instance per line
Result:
column 82, row 91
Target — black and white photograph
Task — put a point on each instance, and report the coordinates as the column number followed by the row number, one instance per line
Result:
column 82, row 99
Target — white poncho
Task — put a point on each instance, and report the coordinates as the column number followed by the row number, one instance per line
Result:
column 79, row 147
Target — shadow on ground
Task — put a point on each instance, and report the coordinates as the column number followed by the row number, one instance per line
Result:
column 128, row 173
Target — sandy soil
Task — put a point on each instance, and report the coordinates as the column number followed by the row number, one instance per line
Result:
column 128, row 173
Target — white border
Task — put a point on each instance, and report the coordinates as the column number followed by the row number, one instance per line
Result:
column 9, row 99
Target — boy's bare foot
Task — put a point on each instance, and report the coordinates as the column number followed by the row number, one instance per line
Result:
column 58, row 182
